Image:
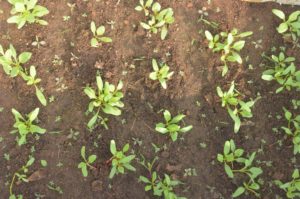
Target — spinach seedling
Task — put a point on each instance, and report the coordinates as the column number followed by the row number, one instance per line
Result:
column 107, row 98
column 171, row 126
column 283, row 71
column 161, row 187
column 235, row 163
column 161, row 73
column 120, row 161
column 13, row 66
column 27, row 11
column 229, row 44
column 291, row 188
column 98, row 35
column 290, row 27
column 25, row 125
column 21, row 175
column 293, row 129
column 158, row 19
column 235, row 106
column 86, row 162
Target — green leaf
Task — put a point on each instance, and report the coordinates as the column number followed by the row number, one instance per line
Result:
column 92, row 158
column 226, row 149
column 101, row 30
column 90, row 93
column 40, row 96
column 92, row 121
column 186, row 129
column 24, row 57
column 99, row 83
column 238, row 45
column 113, row 148
column 167, row 115
column 44, row 163
column 108, row 109
column 238, row 192
column 17, row 114
column 94, row 42
column 84, row 170
column 93, row 27
column 283, row 27
column 82, row 152
column 294, row 16
column 279, row 13
column 228, row 171
column 106, row 39
column 208, row 36
column 33, row 115
column 164, row 32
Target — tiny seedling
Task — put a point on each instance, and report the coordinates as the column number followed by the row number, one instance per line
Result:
column 158, row 19
column 290, row 27
column 86, row 162
column 25, row 125
column 98, row 35
column 120, row 161
column 161, row 73
column 283, row 71
column 232, row 158
column 107, row 98
column 229, row 44
column 235, row 106
column 27, row 11
column 293, row 129
column 171, row 126
column 291, row 188
column 21, row 175
column 13, row 66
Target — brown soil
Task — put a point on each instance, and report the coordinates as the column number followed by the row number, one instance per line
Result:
column 69, row 41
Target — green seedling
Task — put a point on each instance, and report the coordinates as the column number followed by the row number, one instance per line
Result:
column 290, row 27
column 235, row 163
column 120, row 161
column 106, row 98
column 86, row 163
column 27, row 11
column 25, row 125
column 160, row 187
column 98, row 35
column 229, row 45
column 235, row 106
column 158, row 19
column 293, row 129
column 21, row 175
column 283, row 71
column 13, row 66
column 171, row 125
column 161, row 73
column 291, row 188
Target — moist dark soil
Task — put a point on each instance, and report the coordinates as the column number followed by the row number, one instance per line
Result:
column 67, row 63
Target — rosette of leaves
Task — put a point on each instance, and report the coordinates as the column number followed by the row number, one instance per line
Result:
column 284, row 72
column 161, row 73
column 293, row 129
column 229, row 45
column 106, row 98
column 26, row 125
column 98, row 35
column 13, row 66
column 158, row 19
column 120, row 161
column 87, row 162
column 171, row 125
column 27, row 11
column 290, row 26
column 291, row 188
column 235, row 106
column 235, row 163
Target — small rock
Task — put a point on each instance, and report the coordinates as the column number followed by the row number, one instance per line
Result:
column 97, row 185
column 190, row 5
column 172, row 168
column 165, row 154
column 37, row 175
